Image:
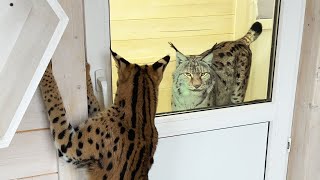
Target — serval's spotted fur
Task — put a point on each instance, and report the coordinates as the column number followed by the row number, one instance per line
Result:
column 117, row 143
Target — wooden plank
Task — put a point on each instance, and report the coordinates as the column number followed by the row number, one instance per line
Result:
column 69, row 71
column 164, row 104
column 150, row 48
column 43, row 177
column 171, row 27
column 122, row 3
column 304, row 159
column 29, row 154
column 150, row 10
column 191, row 2
column 245, row 16
column 35, row 116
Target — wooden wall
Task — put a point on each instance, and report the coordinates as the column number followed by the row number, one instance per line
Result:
column 31, row 152
column 69, row 71
column 141, row 30
column 304, row 160
column 32, row 155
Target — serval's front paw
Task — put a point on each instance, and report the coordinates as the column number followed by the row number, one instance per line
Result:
column 87, row 68
column 49, row 67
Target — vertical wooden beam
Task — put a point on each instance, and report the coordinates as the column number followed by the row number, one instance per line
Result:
column 69, row 70
column 304, row 160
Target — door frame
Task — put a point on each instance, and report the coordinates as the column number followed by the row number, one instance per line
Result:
column 278, row 112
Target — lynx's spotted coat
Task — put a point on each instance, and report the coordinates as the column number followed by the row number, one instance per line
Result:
column 216, row 77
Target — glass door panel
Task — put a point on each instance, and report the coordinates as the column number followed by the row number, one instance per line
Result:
column 222, row 51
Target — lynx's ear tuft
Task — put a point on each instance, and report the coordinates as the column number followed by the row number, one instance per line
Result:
column 180, row 57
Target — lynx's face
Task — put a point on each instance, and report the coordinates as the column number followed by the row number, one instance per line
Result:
column 193, row 72
column 194, row 75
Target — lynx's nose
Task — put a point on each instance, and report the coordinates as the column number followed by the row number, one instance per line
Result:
column 197, row 86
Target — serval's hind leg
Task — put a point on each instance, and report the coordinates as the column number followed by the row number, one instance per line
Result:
column 242, row 77
column 93, row 104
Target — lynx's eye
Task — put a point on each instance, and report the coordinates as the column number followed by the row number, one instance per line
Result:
column 188, row 74
column 204, row 74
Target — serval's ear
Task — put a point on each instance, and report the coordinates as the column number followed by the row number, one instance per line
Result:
column 179, row 55
column 161, row 65
column 121, row 63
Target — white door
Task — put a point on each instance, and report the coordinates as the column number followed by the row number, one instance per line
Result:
column 231, row 153
column 246, row 142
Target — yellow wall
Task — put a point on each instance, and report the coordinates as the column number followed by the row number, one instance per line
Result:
column 141, row 30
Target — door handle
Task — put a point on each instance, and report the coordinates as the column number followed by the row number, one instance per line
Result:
column 102, row 86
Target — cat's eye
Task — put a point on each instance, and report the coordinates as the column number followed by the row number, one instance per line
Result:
column 204, row 74
column 188, row 74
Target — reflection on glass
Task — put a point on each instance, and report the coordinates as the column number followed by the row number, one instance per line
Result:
column 221, row 50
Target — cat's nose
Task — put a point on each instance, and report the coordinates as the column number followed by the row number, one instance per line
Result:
column 197, row 86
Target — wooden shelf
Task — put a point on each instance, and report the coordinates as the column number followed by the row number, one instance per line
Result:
column 30, row 33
